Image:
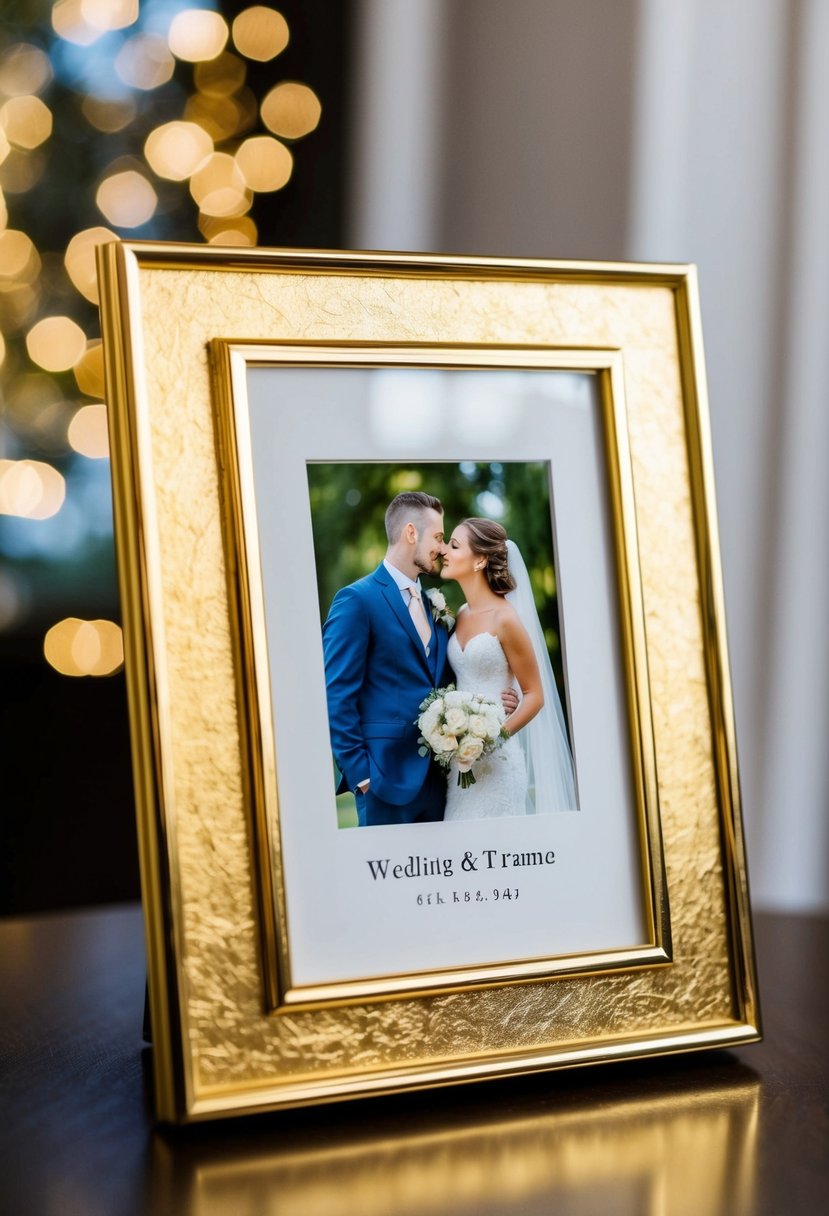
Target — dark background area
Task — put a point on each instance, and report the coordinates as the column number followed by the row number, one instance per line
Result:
column 67, row 823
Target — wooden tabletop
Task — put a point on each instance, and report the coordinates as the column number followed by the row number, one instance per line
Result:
column 717, row 1133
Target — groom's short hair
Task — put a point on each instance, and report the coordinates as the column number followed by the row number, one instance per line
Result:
column 407, row 507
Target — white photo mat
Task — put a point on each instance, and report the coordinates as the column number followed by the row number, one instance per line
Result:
column 343, row 923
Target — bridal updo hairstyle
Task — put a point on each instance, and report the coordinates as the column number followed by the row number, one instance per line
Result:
column 488, row 539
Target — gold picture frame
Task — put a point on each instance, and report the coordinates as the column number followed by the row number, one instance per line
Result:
column 214, row 356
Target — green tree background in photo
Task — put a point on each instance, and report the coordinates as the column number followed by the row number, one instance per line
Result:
column 348, row 503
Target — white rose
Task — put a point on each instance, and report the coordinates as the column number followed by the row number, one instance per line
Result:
column 438, row 599
column 478, row 725
column 469, row 750
column 493, row 726
column 456, row 720
column 429, row 718
column 454, row 699
column 441, row 743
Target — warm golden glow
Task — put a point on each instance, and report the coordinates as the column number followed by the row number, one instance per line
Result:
column 144, row 62
column 69, row 22
column 108, row 116
column 266, row 164
column 30, row 489
column 80, row 260
column 20, row 302
column 219, row 187
column 19, row 259
column 89, row 370
column 4, row 211
column 88, row 432
column 2, row 349
column 26, row 121
column 22, row 169
column 109, row 14
column 36, row 403
column 222, row 117
column 291, row 110
column 5, row 146
column 260, row 33
column 84, row 648
column 220, row 77
column 24, row 69
column 231, row 236
column 242, row 226
column 197, row 34
column 177, row 149
column 126, row 199
column 56, row 343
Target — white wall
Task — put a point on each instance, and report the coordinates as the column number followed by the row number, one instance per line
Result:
column 693, row 130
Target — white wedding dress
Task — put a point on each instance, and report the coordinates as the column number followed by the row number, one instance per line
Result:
column 531, row 773
column 501, row 777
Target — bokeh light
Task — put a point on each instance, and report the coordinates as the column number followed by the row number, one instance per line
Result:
column 88, row 433
column 151, row 114
column 126, row 199
column 26, row 121
column 144, row 62
column 220, row 77
column 109, row 14
column 84, row 648
column 69, row 22
column 222, row 117
column 19, row 260
column 197, row 34
column 107, row 115
column 56, row 343
column 241, row 230
column 80, row 260
column 219, row 187
column 260, row 33
column 291, row 110
column 175, row 150
column 24, row 68
column 89, row 370
column 30, row 489
column 266, row 164
column 22, row 169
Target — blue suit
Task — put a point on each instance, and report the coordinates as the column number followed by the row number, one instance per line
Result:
column 377, row 673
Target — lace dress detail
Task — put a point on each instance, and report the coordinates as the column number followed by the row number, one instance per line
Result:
column 501, row 778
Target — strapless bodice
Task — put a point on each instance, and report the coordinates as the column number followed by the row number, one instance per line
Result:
column 481, row 666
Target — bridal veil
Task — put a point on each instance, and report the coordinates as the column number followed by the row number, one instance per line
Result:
column 551, row 781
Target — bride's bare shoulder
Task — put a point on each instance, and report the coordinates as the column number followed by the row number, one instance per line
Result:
column 506, row 617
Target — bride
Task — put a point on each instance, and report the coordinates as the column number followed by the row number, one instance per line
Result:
column 498, row 642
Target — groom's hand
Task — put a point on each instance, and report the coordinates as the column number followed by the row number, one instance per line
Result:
column 509, row 700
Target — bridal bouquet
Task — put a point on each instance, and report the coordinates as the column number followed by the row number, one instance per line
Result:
column 459, row 726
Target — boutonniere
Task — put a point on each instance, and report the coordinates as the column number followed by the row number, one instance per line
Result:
column 440, row 612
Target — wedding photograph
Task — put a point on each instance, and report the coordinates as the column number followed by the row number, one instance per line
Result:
column 442, row 640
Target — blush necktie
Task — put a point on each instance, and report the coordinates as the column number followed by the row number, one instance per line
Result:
column 419, row 617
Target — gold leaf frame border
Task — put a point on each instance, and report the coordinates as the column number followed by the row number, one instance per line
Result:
column 215, row 1049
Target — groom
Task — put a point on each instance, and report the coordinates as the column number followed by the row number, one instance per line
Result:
column 384, row 653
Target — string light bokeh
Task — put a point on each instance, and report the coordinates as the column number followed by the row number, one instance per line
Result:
column 215, row 121
column 144, row 116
